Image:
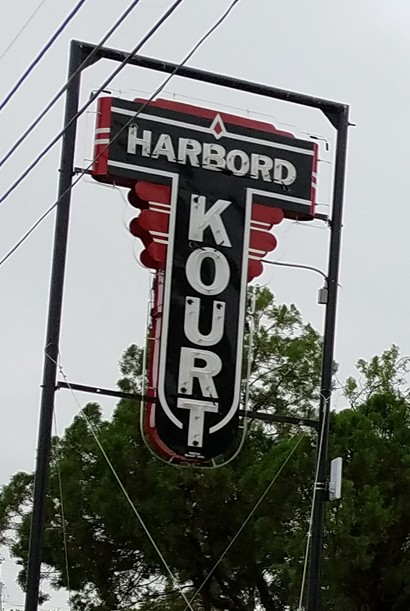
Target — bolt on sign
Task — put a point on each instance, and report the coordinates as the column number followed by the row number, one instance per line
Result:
column 210, row 186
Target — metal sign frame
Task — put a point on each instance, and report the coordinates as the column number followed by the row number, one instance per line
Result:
column 338, row 115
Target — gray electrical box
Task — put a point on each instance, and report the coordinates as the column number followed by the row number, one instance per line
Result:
column 335, row 483
column 322, row 296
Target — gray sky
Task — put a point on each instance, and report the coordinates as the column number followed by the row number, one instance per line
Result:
column 356, row 51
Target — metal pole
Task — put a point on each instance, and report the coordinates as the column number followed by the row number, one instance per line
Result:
column 1, row 585
column 52, row 336
column 321, row 497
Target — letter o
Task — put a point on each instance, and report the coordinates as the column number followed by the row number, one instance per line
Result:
column 231, row 162
column 193, row 271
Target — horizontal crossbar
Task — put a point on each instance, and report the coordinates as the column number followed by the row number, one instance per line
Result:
column 262, row 416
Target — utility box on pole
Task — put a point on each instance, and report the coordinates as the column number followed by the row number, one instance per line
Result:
column 335, row 483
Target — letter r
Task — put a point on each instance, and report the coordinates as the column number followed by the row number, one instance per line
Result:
column 188, row 370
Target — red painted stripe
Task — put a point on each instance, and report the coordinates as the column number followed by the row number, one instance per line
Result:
column 100, row 165
column 152, row 192
column 266, row 214
column 208, row 113
column 262, row 240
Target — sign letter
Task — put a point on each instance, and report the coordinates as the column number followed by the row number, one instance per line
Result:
column 284, row 172
column 221, row 275
column 196, row 418
column 199, row 220
column 188, row 370
column 191, row 322
column 144, row 142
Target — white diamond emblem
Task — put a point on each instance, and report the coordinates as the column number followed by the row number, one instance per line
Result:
column 217, row 127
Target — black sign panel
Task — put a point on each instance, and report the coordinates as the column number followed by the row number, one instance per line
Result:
column 166, row 140
column 216, row 166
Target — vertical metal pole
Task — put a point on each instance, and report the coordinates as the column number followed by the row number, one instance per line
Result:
column 316, row 546
column 2, row 587
column 52, row 336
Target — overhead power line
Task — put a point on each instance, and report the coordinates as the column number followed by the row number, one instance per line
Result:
column 156, row 92
column 41, row 54
column 58, row 95
column 19, row 33
column 27, row 234
column 93, row 97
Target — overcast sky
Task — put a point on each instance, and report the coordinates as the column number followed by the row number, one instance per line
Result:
column 355, row 51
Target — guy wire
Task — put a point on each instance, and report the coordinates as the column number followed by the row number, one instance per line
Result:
column 63, row 522
column 222, row 556
column 309, row 534
column 121, row 485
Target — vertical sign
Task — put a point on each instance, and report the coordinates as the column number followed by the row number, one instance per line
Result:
column 210, row 186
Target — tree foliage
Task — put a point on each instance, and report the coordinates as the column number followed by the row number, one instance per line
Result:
column 369, row 531
column 197, row 517
column 286, row 359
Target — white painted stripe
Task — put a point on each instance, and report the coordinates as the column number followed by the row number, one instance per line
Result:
column 160, row 233
column 174, row 193
column 257, row 251
column 157, row 241
column 160, row 205
column 131, row 166
column 289, row 198
column 259, row 229
column 102, row 141
column 259, row 223
column 275, row 145
column 159, row 210
column 103, row 130
column 166, row 299
column 243, row 289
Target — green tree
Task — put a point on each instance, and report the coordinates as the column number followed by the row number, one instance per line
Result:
column 368, row 542
column 286, row 360
column 192, row 514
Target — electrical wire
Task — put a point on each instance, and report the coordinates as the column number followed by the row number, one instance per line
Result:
column 57, row 96
column 121, row 485
column 19, row 33
column 245, row 522
column 63, row 521
column 91, row 99
column 84, row 171
column 309, row 534
column 28, row 233
column 41, row 54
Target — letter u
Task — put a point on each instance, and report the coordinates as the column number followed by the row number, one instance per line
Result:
column 191, row 322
